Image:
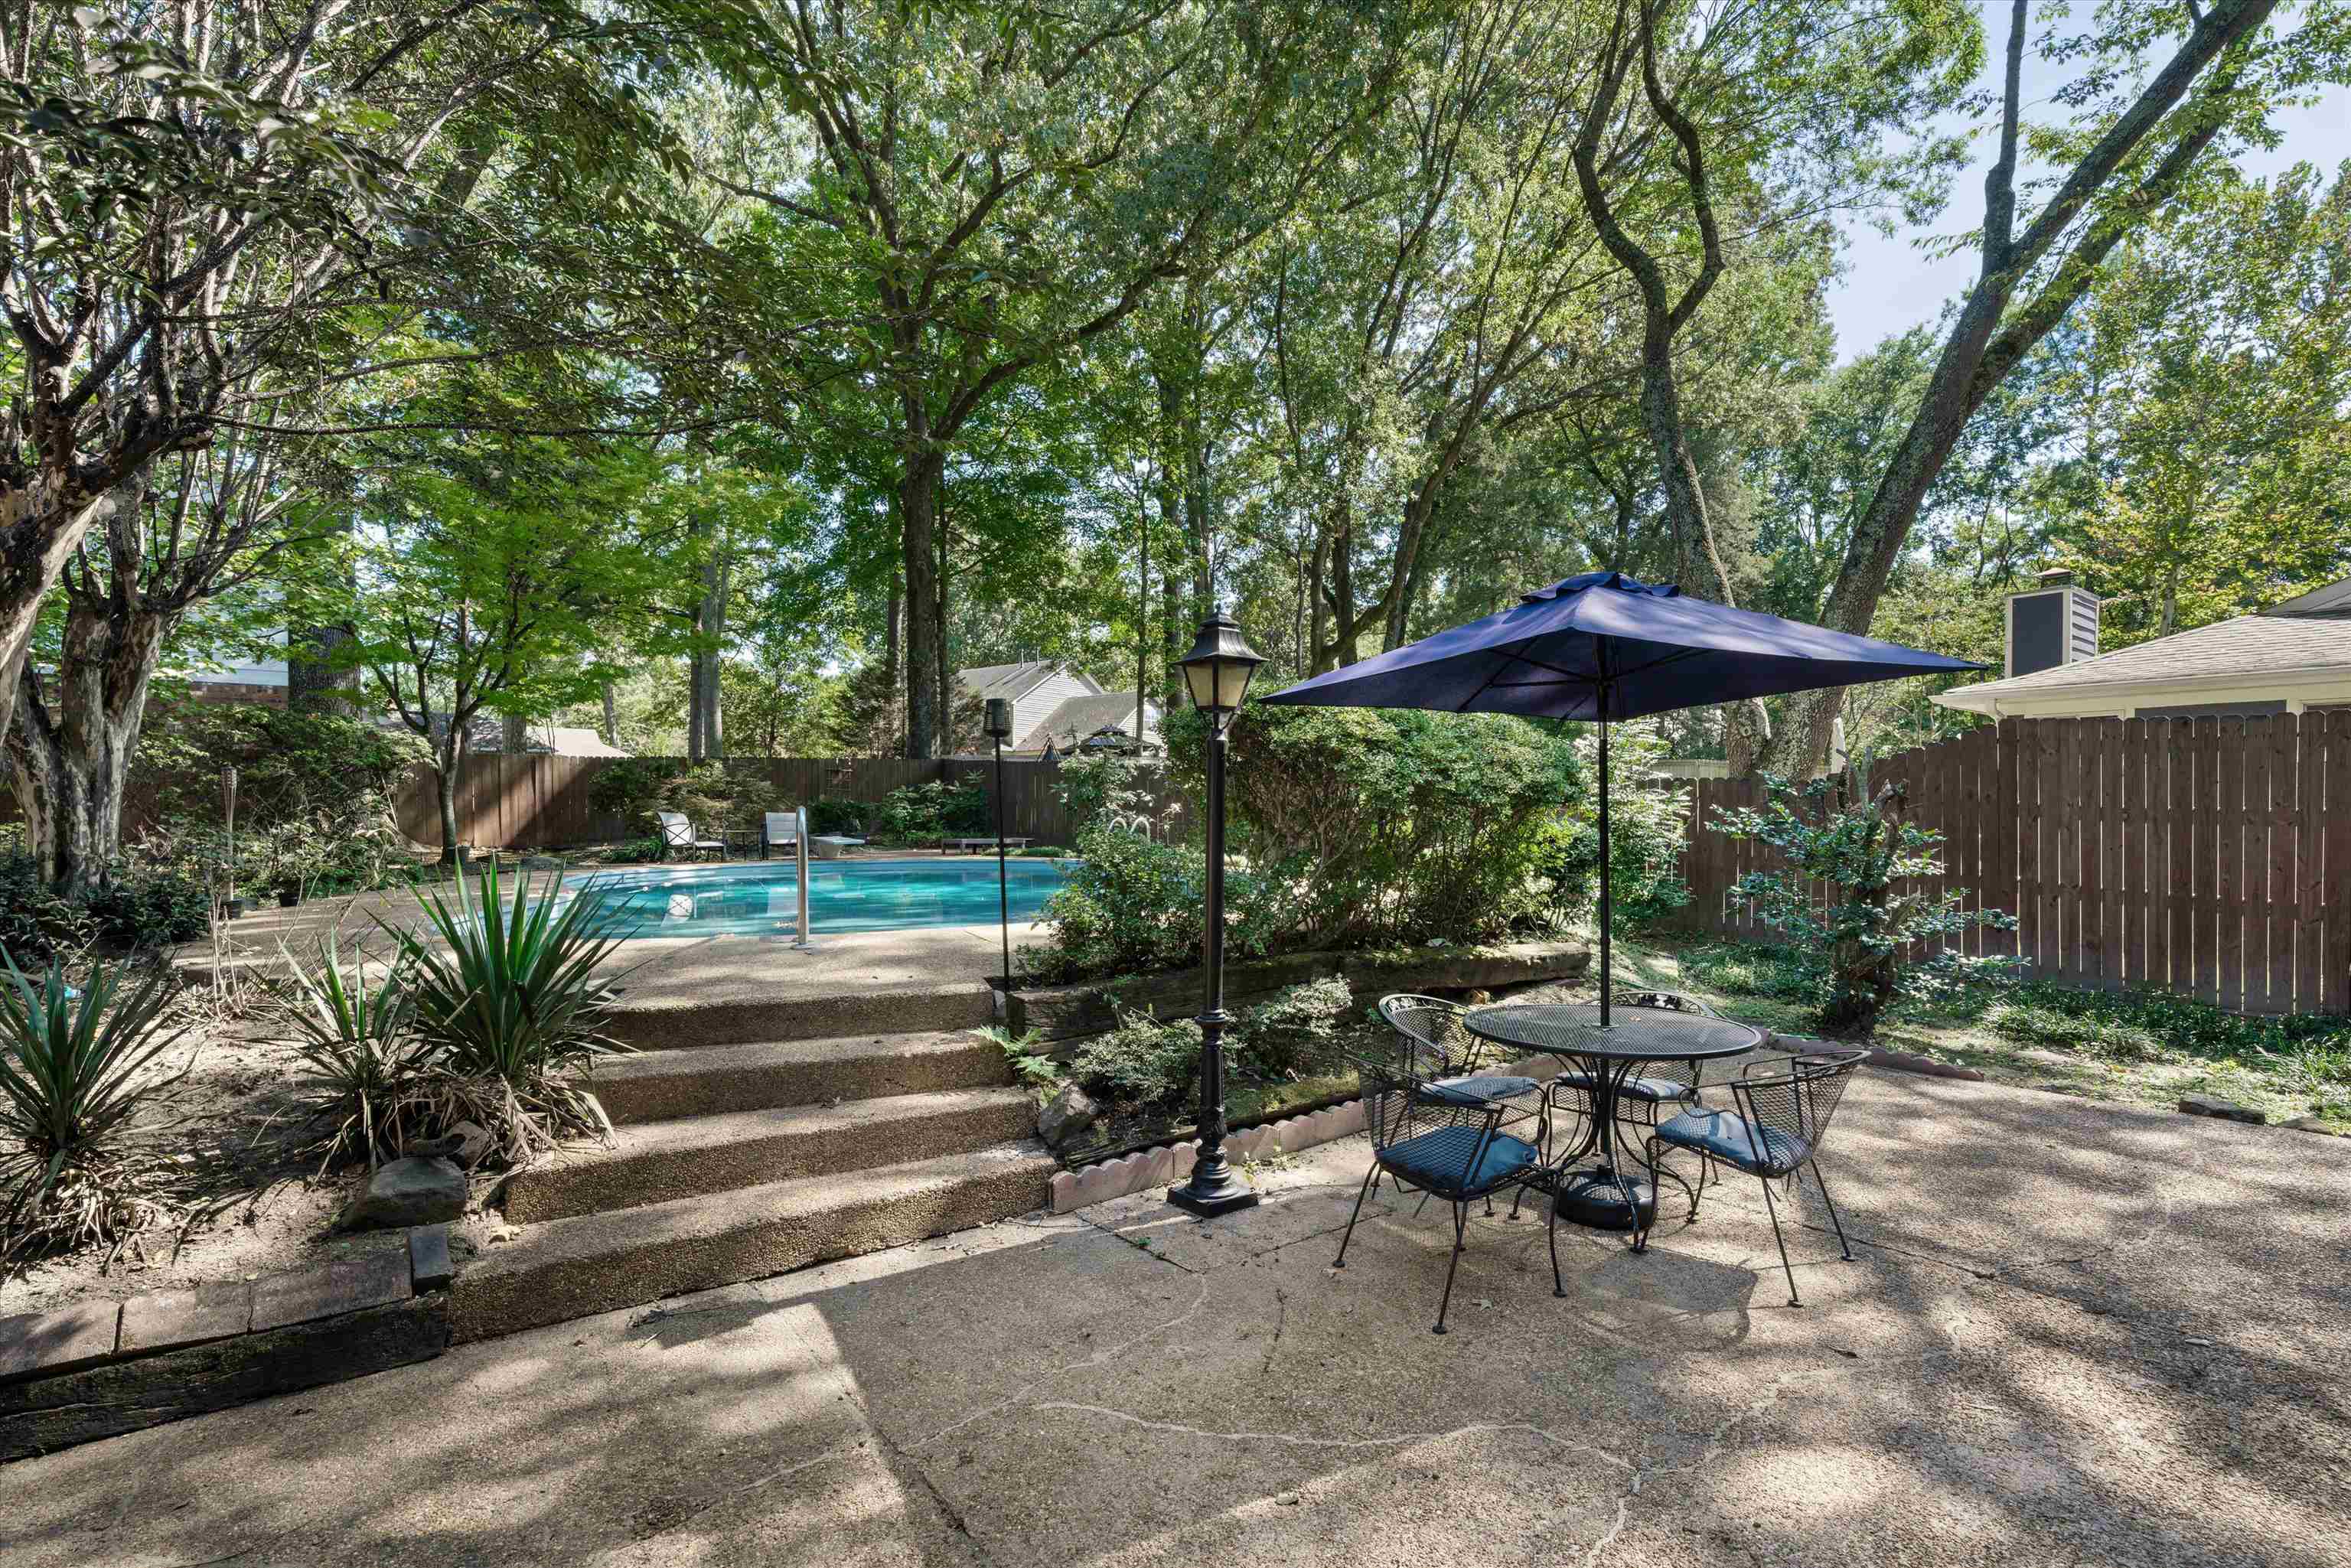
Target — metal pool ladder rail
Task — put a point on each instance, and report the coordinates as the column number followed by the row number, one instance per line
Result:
column 801, row 874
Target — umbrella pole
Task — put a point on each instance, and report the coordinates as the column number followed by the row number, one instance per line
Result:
column 1604, row 858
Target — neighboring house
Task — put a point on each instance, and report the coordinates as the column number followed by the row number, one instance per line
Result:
column 2291, row 658
column 263, row 681
column 1052, row 701
column 1079, row 719
column 486, row 734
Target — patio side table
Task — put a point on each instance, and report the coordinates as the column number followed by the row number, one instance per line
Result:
column 1601, row 1195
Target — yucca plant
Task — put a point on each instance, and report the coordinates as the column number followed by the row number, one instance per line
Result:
column 508, row 1002
column 71, row 1076
column 360, row 1054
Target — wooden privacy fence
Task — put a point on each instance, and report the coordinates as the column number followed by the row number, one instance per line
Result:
column 533, row 800
column 2206, row 856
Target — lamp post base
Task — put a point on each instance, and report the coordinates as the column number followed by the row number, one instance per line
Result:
column 1226, row 1197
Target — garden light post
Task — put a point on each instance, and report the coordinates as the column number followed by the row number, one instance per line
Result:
column 1218, row 672
column 1000, row 729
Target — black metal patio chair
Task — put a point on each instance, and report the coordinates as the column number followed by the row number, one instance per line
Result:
column 1438, row 1047
column 1443, row 1139
column 1780, row 1118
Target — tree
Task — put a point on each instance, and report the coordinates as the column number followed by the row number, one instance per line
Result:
column 203, row 202
column 2139, row 142
column 963, row 223
column 501, row 574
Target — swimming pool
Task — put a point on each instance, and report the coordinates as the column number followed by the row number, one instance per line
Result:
column 761, row 899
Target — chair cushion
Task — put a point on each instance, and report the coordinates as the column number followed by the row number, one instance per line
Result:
column 1440, row 1159
column 1651, row 1089
column 1735, row 1140
column 1479, row 1088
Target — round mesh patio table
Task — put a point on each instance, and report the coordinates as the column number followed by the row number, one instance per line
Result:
column 1600, row 1195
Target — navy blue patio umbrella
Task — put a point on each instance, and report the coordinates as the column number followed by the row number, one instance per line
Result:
column 1603, row 647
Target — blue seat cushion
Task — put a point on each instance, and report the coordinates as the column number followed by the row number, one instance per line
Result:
column 1479, row 1088
column 1656, row 1090
column 1735, row 1140
column 1441, row 1159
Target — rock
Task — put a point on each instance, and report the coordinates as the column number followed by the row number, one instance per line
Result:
column 2227, row 1109
column 1067, row 1114
column 412, row 1190
column 467, row 1144
column 2313, row 1124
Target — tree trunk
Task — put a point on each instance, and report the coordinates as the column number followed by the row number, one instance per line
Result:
column 918, row 494
column 71, row 755
column 315, row 681
column 1993, row 333
column 42, row 522
column 611, row 719
column 449, row 773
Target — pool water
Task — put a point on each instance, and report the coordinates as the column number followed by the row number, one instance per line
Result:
column 761, row 900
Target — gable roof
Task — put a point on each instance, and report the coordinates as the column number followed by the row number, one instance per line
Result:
column 2335, row 598
column 1078, row 717
column 2262, row 650
column 1011, row 681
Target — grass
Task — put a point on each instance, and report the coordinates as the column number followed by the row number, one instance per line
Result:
column 2146, row 1048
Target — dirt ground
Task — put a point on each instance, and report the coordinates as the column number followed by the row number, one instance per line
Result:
column 229, row 1149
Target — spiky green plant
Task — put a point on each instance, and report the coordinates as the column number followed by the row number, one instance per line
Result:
column 507, row 999
column 72, row 1066
column 358, row 1052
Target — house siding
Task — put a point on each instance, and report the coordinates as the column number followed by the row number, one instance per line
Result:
column 1033, row 706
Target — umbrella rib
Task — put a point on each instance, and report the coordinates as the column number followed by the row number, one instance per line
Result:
column 1494, row 680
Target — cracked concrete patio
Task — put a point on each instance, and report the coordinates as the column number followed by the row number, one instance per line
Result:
column 2074, row 1334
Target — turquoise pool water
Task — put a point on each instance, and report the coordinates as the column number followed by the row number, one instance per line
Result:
column 760, row 900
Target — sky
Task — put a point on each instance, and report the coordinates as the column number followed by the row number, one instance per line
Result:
column 1891, row 286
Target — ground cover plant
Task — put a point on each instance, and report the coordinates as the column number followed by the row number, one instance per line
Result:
column 2144, row 1047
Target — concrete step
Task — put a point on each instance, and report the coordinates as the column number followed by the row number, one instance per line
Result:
column 673, row 1021
column 655, row 1162
column 597, row 1263
column 659, row 1085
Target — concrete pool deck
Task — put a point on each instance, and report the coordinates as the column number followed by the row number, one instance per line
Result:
column 2075, row 1333
column 656, row 972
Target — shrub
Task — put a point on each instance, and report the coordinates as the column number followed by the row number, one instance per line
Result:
column 35, row 921
column 845, row 818
column 511, row 1011
column 1304, row 1027
column 289, row 766
column 71, row 1079
column 148, row 909
column 1106, row 788
column 1131, row 905
column 1142, row 1063
column 1396, row 825
column 1647, row 832
column 360, row 1057
column 1834, row 830
column 919, row 811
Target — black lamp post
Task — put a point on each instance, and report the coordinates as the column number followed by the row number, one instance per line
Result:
column 999, row 730
column 1217, row 671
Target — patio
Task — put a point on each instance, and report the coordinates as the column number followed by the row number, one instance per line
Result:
column 2073, row 1333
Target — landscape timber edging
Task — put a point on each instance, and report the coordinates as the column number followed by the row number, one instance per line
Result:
column 1073, row 1012
column 99, row 1369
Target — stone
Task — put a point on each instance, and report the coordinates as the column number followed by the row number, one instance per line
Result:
column 467, row 1144
column 2313, row 1124
column 1066, row 1115
column 330, row 1289
column 2226, row 1110
column 428, row 1268
column 167, row 1320
column 41, row 1344
column 412, row 1190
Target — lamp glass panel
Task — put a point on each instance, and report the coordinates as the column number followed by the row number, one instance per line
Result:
column 1232, row 681
column 1202, row 680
